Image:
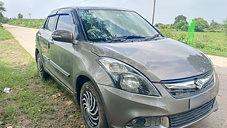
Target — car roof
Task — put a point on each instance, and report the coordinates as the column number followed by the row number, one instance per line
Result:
column 88, row 7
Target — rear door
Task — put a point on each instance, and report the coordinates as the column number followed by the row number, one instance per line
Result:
column 45, row 40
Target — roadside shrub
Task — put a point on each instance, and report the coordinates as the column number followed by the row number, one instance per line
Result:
column 199, row 45
column 181, row 37
column 171, row 33
column 167, row 33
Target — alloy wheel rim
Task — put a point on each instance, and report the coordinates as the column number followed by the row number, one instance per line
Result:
column 90, row 108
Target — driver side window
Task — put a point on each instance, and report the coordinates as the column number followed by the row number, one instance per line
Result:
column 50, row 23
column 65, row 22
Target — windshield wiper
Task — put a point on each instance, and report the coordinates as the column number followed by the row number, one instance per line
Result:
column 124, row 38
column 155, row 37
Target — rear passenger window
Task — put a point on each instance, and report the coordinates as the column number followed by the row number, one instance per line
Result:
column 65, row 22
column 51, row 24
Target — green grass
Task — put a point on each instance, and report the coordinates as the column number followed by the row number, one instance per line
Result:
column 4, row 34
column 214, row 52
column 30, row 102
column 31, row 23
column 214, row 43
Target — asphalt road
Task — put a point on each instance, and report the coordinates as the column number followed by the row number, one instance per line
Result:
column 26, row 37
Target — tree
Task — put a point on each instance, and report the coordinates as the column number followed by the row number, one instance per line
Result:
column 1, row 16
column 201, row 24
column 158, row 25
column 5, row 20
column 20, row 16
column 214, row 25
column 2, row 8
column 182, row 25
column 180, row 18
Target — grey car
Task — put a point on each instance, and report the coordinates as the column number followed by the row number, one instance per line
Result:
column 122, row 71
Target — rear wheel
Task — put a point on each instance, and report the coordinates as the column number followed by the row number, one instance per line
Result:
column 42, row 73
column 91, row 107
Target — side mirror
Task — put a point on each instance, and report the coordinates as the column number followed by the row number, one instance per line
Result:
column 62, row 35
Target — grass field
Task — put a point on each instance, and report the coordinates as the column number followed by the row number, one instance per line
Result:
column 31, row 102
column 211, row 43
column 214, row 43
column 31, row 23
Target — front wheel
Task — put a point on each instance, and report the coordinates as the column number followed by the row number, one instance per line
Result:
column 91, row 107
column 42, row 73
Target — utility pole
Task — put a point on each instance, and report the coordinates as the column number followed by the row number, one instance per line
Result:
column 29, row 15
column 153, row 12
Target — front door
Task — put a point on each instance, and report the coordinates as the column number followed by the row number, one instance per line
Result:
column 61, row 53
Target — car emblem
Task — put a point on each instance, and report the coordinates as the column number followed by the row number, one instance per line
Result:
column 199, row 83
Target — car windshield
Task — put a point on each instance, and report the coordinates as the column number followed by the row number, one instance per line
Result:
column 115, row 25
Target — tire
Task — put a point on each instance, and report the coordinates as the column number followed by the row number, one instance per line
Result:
column 42, row 73
column 91, row 107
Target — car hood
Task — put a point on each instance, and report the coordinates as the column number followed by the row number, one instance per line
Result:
column 164, row 59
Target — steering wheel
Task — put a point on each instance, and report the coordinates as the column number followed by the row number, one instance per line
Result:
column 94, row 33
column 93, row 30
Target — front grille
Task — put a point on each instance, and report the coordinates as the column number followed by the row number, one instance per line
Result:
column 183, row 119
column 187, row 92
column 182, row 93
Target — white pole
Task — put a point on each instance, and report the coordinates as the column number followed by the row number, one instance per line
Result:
column 153, row 12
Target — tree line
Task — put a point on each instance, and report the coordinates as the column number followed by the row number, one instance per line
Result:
column 19, row 21
column 180, row 23
column 201, row 25
column 5, row 19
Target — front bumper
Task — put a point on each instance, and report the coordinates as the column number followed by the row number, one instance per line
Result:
column 122, row 107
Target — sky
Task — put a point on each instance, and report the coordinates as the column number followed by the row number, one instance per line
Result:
column 166, row 10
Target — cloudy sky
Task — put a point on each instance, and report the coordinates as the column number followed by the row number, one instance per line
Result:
column 166, row 10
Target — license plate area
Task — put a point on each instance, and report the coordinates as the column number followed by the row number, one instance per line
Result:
column 199, row 100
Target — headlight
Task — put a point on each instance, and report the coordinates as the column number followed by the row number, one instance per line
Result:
column 127, row 78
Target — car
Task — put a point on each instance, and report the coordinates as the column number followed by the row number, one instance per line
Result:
column 122, row 71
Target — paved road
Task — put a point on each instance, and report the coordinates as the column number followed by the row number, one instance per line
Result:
column 26, row 37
